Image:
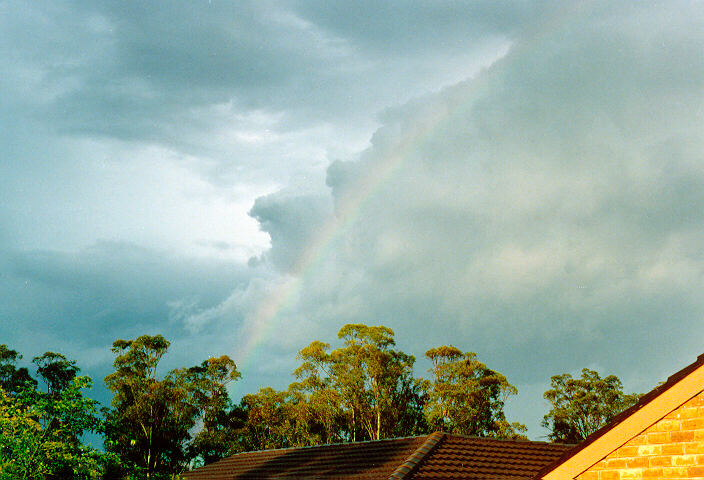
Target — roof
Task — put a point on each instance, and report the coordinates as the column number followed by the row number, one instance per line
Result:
column 651, row 407
column 434, row 456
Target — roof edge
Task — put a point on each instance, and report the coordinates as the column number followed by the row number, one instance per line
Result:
column 416, row 457
column 652, row 406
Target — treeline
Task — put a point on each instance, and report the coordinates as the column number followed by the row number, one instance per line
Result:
column 159, row 426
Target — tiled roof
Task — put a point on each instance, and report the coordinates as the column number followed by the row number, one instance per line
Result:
column 471, row 458
column 428, row 457
column 645, row 399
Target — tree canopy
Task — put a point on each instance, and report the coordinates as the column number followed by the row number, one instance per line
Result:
column 150, row 425
column 40, row 432
column 161, row 423
column 466, row 397
column 580, row 406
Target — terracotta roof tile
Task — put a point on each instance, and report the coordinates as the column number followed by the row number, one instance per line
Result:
column 433, row 456
column 363, row 460
column 471, row 458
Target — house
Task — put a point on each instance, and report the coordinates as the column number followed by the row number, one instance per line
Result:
column 661, row 437
column 434, row 456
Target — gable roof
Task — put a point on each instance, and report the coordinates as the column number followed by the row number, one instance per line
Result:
column 651, row 407
column 434, row 456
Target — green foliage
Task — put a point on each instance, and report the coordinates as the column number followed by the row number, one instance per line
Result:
column 376, row 377
column 158, row 425
column 269, row 423
column 150, row 423
column 56, row 371
column 40, row 433
column 207, row 384
column 363, row 390
column 12, row 379
column 580, row 406
column 466, row 397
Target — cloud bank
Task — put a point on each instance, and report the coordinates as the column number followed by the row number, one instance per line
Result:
column 524, row 181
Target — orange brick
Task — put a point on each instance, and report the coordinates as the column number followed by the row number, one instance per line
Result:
column 650, row 429
column 639, row 440
column 672, row 448
column 674, row 472
column 681, row 436
column 631, row 474
column 693, row 424
column 694, row 447
column 649, row 450
column 690, row 412
column 695, row 472
column 684, row 460
column 609, row 475
column 663, row 461
column 668, row 426
column 637, row 462
column 659, row 437
column 589, row 476
column 652, row 472
column 616, row 463
column 627, row 451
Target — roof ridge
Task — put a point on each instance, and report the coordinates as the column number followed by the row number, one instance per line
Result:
column 322, row 445
column 416, row 457
column 511, row 440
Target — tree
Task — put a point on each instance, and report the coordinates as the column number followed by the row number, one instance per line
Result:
column 323, row 401
column 208, row 384
column 363, row 390
column 150, row 419
column 466, row 397
column 12, row 379
column 56, row 371
column 269, row 420
column 375, row 375
column 39, row 434
column 580, row 406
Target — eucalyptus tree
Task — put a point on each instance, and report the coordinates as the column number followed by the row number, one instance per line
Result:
column 12, row 378
column 207, row 384
column 56, row 370
column 580, row 406
column 365, row 385
column 467, row 397
column 152, row 419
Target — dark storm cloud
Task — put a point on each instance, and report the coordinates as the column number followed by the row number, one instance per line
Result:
column 546, row 214
column 108, row 291
column 292, row 221
column 546, row 211
column 403, row 27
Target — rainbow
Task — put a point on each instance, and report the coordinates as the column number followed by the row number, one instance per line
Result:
column 261, row 325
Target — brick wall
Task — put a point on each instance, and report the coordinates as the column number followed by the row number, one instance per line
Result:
column 672, row 448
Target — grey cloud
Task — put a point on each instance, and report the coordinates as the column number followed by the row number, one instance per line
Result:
column 108, row 291
column 292, row 221
column 145, row 72
column 403, row 27
column 545, row 214
column 78, row 303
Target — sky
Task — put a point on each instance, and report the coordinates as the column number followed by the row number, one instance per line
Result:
column 521, row 179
